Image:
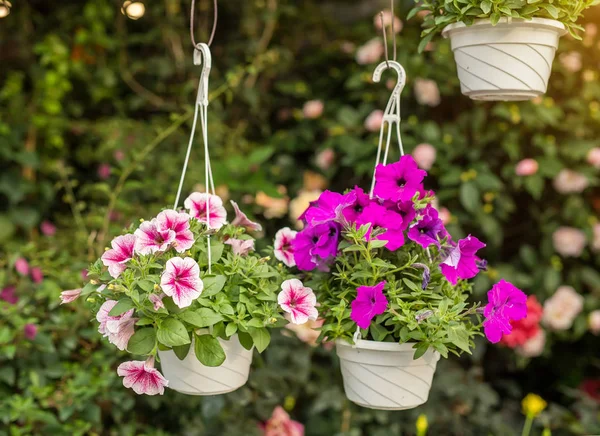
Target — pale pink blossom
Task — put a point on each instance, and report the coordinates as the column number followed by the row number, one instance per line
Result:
column 374, row 121
column 104, row 171
column 427, row 92
column 179, row 223
column 36, row 274
column 594, row 322
column 298, row 301
column 242, row 220
column 207, row 208
column 370, row 52
column 593, row 157
column 424, row 155
column 157, row 300
column 181, row 281
column 121, row 252
column 47, row 228
column 119, row 155
column 569, row 181
column 534, row 346
column 118, row 329
column 299, row 204
column 347, row 47
column 151, row 237
column 313, row 109
column 241, row 247
column 562, row 308
column 445, row 215
column 282, row 248
column 307, row 332
column 325, row 159
column 596, row 240
column 69, row 296
column 526, row 167
column 571, row 60
column 280, row 424
column 569, row 241
column 142, row 377
column 30, row 331
column 120, row 338
column 387, row 21
column 22, row 266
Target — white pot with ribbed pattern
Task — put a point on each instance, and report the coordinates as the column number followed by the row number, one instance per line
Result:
column 384, row 375
column 191, row 377
column 509, row 61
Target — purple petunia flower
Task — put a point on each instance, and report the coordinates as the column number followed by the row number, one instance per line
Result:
column 379, row 216
column 369, row 302
column 398, row 181
column 315, row 244
column 461, row 260
column 324, row 209
column 428, row 230
column 356, row 201
column 506, row 304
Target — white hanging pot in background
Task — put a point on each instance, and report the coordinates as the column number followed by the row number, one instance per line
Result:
column 384, row 375
column 509, row 61
column 191, row 377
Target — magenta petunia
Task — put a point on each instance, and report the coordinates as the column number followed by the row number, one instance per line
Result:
column 207, row 208
column 429, row 229
column 118, row 329
column 283, row 246
column 298, row 301
column 241, row 247
column 181, row 281
column 36, row 274
column 30, row 331
column 380, row 217
column 407, row 211
column 69, row 296
column 151, row 238
column 316, row 245
column 242, row 220
column 179, row 223
column 506, row 303
column 356, row 201
column 369, row 302
column 47, row 228
column 8, row 295
column 461, row 261
column 399, row 181
column 324, row 209
column 142, row 377
column 121, row 252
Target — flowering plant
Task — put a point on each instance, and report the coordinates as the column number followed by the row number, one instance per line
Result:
column 159, row 292
column 385, row 264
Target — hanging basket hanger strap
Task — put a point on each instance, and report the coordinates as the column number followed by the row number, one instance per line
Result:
column 214, row 28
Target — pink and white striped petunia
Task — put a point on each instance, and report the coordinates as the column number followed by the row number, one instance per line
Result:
column 142, row 377
column 150, row 237
column 284, row 251
column 179, row 222
column 117, row 257
column 69, row 296
column 198, row 203
column 298, row 300
column 181, row 281
column 241, row 247
column 118, row 329
column 242, row 220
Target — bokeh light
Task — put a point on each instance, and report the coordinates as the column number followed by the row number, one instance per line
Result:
column 4, row 8
column 133, row 10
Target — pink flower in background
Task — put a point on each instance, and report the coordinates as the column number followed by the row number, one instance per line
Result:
column 151, row 237
column 207, row 208
column 8, row 295
column 461, row 260
column 399, row 181
column 242, row 220
column 313, row 109
column 119, row 328
column 506, row 303
column 526, row 167
column 179, row 223
column 307, row 332
column 22, row 266
column 280, row 424
column 424, row 155
column 181, row 281
column 69, row 296
column 370, row 52
column 297, row 300
column 571, row 60
column 562, row 308
column 30, row 331
column 596, row 237
column 569, row 181
column 119, row 155
column 47, row 228
column 534, row 346
column 369, row 302
column 283, row 248
column 594, row 322
column 374, row 121
column 241, row 247
column 84, row 274
column 325, row 159
column 157, row 300
column 427, row 92
column 104, row 171
column 569, row 241
column 593, row 157
column 299, row 205
column 142, row 377
column 387, row 21
column 121, row 252
column 36, row 274
column 445, row 215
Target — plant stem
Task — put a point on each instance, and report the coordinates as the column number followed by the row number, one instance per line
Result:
column 527, row 426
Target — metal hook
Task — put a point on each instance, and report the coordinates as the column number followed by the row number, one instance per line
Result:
column 214, row 28
column 202, row 57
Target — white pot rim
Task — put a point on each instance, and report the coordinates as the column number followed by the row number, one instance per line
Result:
column 365, row 344
column 540, row 23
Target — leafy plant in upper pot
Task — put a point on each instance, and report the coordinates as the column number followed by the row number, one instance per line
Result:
column 159, row 293
column 385, row 269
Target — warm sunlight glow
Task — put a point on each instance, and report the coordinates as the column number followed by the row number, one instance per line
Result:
column 133, row 10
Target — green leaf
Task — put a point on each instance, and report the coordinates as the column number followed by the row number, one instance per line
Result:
column 231, row 329
column 378, row 332
column 172, row 332
column 226, row 309
column 142, row 342
column 213, row 285
column 494, row 18
column 204, row 317
column 261, row 338
column 469, row 197
column 424, row 41
column 144, row 321
column 88, row 289
column 421, row 349
column 551, row 9
column 486, row 6
column 246, row 340
column 146, row 285
column 122, row 306
column 181, row 351
column 208, row 350
column 459, row 336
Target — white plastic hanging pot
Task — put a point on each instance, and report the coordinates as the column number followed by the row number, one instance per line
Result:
column 384, row 375
column 509, row 61
column 191, row 377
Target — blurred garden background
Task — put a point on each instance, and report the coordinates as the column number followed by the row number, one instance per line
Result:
column 95, row 113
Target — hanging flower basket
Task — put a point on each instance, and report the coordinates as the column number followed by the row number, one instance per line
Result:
column 509, row 61
column 189, row 376
column 384, row 375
